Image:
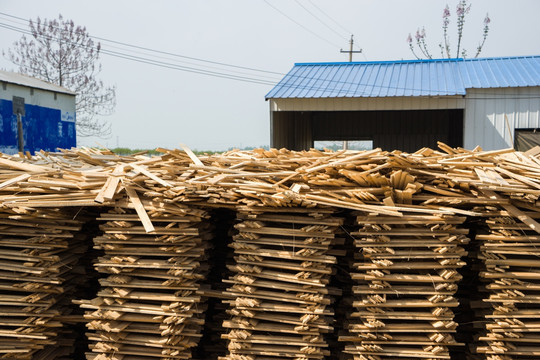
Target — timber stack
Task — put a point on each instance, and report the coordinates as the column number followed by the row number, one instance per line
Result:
column 510, row 256
column 42, row 266
column 410, row 242
column 407, row 274
column 40, row 273
column 148, row 304
column 280, row 301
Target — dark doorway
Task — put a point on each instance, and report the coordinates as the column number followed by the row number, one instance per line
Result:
column 406, row 130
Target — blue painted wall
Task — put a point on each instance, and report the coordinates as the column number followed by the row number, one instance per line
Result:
column 43, row 129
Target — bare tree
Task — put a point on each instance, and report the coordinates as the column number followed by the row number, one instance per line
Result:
column 62, row 53
column 462, row 9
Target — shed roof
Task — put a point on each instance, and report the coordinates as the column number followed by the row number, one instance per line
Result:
column 406, row 77
column 25, row 80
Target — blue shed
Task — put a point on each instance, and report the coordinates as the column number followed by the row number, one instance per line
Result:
column 49, row 114
column 409, row 104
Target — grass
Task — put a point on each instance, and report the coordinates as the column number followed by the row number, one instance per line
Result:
column 128, row 151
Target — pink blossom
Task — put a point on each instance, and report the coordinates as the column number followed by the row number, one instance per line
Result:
column 487, row 20
column 461, row 9
column 418, row 36
column 446, row 12
column 409, row 38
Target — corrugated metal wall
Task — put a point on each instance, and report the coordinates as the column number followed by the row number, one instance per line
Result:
column 407, row 130
column 491, row 115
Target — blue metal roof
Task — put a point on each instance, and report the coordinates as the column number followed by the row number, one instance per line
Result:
column 406, row 78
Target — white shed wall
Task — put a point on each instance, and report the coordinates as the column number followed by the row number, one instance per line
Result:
column 44, row 98
column 363, row 104
column 491, row 115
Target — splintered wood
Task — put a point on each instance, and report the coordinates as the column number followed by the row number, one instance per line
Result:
column 300, row 217
column 281, row 302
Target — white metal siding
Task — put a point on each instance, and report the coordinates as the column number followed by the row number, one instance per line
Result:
column 361, row 104
column 491, row 115
column 44, row 98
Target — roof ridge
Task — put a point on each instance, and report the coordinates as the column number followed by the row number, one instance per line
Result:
column 403, row 61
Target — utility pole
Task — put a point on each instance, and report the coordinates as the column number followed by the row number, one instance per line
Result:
column 351, row 51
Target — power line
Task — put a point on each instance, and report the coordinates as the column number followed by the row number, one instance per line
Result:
column 302, row 26
column 267, row 82
column 164, row 52
column 329, row 17
column 156, row 62
column 333, row 20
column 320, row 20
column 166, row 58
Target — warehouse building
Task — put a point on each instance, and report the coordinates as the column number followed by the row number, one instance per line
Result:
column 47, row 114
column 406, row 105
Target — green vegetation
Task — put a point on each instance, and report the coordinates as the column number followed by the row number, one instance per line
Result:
column 128, row 151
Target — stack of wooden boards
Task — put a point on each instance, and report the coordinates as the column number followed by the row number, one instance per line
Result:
column 509, row 250
column 148, row 304
column 406, row 273
column 156, row 239
column 280, row 302
column 40, row 273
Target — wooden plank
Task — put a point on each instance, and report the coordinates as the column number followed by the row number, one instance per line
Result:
column 143, row 216
column 191, row 155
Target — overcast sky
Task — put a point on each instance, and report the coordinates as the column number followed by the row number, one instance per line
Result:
column 159, row 106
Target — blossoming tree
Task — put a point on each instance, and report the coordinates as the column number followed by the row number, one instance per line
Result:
column 462, row 9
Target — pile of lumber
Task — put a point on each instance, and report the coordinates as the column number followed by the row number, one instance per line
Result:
column 147, row 305
column 406, row 275
column 280, row 303
column 156, row 240
column 40, row 273
column 259, row 178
